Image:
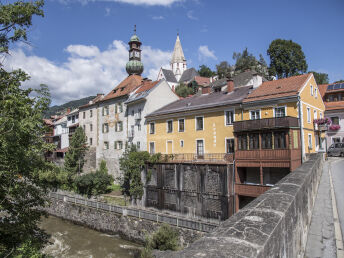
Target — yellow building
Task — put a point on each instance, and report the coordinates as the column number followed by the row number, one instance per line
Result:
column 199, row 126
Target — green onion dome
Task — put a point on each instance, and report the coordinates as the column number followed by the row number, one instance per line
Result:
column 134, row 67
column 134, row 38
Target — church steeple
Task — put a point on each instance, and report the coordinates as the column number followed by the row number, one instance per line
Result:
column 134, row 66
column 178, row 62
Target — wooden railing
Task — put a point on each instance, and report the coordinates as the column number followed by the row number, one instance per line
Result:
column 276, row 154
column 193, row 157
column 266, row 123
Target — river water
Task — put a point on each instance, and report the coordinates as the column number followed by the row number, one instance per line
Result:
column 73, row 241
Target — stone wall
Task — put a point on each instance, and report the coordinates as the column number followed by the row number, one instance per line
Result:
column 273, row 225
column 90, row 161
column 198, row 190
column 129, row 228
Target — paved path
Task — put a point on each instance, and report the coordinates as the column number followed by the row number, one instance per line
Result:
column 321, row 241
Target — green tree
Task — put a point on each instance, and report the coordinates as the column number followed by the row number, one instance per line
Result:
column 340, row 81
column 286, row 58
column 75, row 157
column 21, row 143
column 320, row 78
column 165, row 238
column 205, row 71
column 183, row 90
column 223, row 70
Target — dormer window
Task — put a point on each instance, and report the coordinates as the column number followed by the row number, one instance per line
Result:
column 114, row 91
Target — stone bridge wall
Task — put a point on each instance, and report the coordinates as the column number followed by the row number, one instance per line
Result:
column 198, row 190
column 273, row 225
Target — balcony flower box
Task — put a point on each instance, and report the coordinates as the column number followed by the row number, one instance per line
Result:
column 323, row 121
column 334, row 127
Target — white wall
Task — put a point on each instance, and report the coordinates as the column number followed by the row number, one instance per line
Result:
column 88, row 121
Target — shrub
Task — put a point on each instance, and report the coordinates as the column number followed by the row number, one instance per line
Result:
column 165, row 238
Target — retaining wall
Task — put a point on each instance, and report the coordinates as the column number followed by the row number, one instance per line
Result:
column 273, row 225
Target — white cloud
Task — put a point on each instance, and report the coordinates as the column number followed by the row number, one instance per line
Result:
column 107, row 11
column 158, row 17
column 191, row 16
column 86, row 71
column 134, row 2
column 204, row 53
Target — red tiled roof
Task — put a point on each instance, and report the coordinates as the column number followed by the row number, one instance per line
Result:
column 146, row 85
column 96, row 99
column 128, row 85
column 285, row 87
column 322, row 89
column 334, row 105
column 203, row 81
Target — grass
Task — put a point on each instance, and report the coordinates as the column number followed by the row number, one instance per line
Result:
column 115, row 200
column 114, row 187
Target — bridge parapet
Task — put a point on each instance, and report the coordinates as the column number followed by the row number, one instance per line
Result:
column 273, row 225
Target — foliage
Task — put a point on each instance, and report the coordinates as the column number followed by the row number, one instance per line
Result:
column 323, row 121
column 75, row 157
column 286, row 58
column 165, row 238
column 224, row 70
column 56, row 110
column 94, row 183
column 55, row 178
column 183, row 90
column 339, row 81
column 320, row 78
column 205, row 71
column 334, row 127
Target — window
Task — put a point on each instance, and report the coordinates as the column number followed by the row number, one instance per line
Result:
column 91, row 127
column 229, row 116
column 200, row 148
column 312, row 90
column 242, row 142
column 254, row 141
column 335, row 139
column 308, row 115
column 181, row 126
column 199, row 123
column 280, row 141
column 182, row 143
column 316, row 93
column 106, row 145
column 152, row 148
column 119, row 126
column 315, row 115
column 90, row 141
column 138, row 145
column 83, row 115
column 152, row 128
column 91, row 113
column 120, row 107
column 169, row 126
column 255, row 114
column 320, row 115
column 310, row 141
column 266, row 140
column 77, row 116
column 69, row 118
column 105, row 110
column 105, row 128
column 335, row 120
column 115, row 108
column 73, row 119
column 84, row 127
column 139, row 127
column 229, row 145
column 132, row 112
column 280, row 112
column 118, row 145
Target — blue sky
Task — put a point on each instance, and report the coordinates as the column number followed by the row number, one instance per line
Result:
column 79, row 47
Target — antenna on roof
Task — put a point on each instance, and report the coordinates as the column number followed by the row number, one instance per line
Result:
column 177, row 32
column 135, row 29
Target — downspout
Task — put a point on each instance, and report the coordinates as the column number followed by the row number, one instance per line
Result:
column 299, row 103
column 233, row 187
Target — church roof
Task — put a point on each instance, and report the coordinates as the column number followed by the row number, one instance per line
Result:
column 169, row 75
column 178, row 55
column 188, row 75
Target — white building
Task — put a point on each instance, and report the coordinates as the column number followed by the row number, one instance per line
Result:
column 149, row 97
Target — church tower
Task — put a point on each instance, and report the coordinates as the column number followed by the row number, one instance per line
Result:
column 178, row 62
column 134, row 66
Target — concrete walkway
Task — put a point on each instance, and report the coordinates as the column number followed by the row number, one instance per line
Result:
column 321, row 241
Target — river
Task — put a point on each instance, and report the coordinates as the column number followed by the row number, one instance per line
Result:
column 73, row 241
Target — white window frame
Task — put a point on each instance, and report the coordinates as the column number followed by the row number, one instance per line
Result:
column 150, row 132
column 255, row 110
column 181, row 143
column 285, row 111
column 149, row 147
column 308, row 114
column 228, row 138
column 202, row 123
column 167, row 125
column 108, row 145
column 184, row 125
column 200, row 139
column 315, row 114
column 310, row 146
column 316, row 93
column 225, row 114
column 312, row 93
column 320, row 115
column 138, row 145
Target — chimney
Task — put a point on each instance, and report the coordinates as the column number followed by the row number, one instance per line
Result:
column 68, row 111
column 230, row 85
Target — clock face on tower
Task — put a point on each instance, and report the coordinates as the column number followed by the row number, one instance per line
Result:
column 137, row 54
column 131, row 54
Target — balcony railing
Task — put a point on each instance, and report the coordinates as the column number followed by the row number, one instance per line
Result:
column 276, row 154
column 193, row 157
column 266, row 123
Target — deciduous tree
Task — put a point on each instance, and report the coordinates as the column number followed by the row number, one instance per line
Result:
column 205, row 71
column 286, row 58
column 320, row 78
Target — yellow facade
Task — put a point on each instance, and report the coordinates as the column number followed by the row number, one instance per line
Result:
column 214, row 133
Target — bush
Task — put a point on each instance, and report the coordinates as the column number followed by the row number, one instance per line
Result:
column 165, row 238
column 55, row 178
column 184, row 91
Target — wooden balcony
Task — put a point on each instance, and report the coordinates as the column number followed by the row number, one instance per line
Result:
column 266, row 123
column 195, row 158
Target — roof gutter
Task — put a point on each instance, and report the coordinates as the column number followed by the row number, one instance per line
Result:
column 299, row 104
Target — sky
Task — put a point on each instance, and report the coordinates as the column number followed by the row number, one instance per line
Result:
column 80, row 47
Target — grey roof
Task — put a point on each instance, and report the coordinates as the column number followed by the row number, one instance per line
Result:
column 214, row 99
column 141, row 95
column 188, row 75
column 243, row 78
column 178, row 55
column 219, row 83
column 169, row 75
